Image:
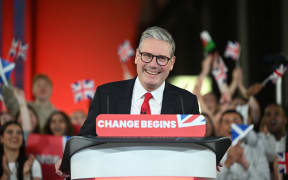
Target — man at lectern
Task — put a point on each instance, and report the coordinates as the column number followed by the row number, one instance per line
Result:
column 148, row 93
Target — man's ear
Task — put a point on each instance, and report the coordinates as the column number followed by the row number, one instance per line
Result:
column 136, row 56
column 173, row 59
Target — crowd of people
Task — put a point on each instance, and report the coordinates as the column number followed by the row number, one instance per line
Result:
column 254, row 157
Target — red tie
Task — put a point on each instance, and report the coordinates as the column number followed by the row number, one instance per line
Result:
column 145, row 108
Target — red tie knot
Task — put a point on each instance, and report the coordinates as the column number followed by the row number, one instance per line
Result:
column 148, row 96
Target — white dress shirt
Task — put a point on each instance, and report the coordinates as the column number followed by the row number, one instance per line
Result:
column 138, row 97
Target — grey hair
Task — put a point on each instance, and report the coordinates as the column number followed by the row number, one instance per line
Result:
column 159, row 34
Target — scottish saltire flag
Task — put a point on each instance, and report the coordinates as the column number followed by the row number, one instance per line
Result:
column 5, row 71
column 188, row 120
column 14, row 48
column 277, row 73
column 83, row 89
column 207, row 42
column 232, row 50
column 219, row 71
column 282, row 162
column 47, row 149
column 239, row 131
column 125, row 51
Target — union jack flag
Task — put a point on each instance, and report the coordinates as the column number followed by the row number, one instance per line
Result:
column 188, row 120
column 207, row 42
column 220, row 71
column 22, row 51
column 277, row 73
column 125, row 51
column 83, row 89
column 239, row 131
column 282, row 162
column 5, row 71
column 14, row 48
column 232, row 50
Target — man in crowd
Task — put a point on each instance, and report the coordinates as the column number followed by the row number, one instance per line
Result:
column 242, row 161
column 42, row 90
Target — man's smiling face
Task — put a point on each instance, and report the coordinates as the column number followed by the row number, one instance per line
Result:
column 152, row 75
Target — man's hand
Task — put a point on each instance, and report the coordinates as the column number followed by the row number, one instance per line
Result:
column 58, row 171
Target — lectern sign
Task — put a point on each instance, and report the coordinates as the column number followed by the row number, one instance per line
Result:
column 125, row 125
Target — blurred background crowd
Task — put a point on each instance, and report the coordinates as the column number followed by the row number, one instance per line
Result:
column 69, row 40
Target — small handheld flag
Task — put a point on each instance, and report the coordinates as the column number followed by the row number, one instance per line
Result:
column 219, row 71
column 83, row 89
column 282, row 162
column 125, row 51
column 208, row 44
column 232, row 50
column 239, row 131
column 5, row 71
column 277, row 73
column 22, row 51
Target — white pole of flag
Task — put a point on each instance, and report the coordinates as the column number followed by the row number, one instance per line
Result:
column 278, row 91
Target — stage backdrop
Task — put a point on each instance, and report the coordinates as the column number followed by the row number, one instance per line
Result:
column 71, row 40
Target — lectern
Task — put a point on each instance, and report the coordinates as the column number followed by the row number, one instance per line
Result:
column 143, row 158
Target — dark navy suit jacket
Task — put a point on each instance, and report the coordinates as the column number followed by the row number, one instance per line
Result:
column 116, row 97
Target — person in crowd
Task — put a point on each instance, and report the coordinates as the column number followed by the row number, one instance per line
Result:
column 5, row 117
column 15, row 165
column 242, row 161
column 59, row 124
column 210, row 127
column 27, row 115
column 78, row 117
column 273, row 136
column 42, row 91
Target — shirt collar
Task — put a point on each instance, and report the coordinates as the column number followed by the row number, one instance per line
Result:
column 157, row 93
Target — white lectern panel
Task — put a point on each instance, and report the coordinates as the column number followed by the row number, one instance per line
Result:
column 124, row 160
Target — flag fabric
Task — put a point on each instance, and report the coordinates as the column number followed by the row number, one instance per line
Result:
column 239, row 131
column 22, row 51
column 232, row 50
column 277, row 73
column 14, row 48
column 5, row 71
column 83, row 89
column 219, row 71
column 188, row 120
column 208, row 44
column 125, row 51
column 282, row 162
column 47, row 149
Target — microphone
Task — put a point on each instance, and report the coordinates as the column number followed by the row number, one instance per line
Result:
column 107, row 99
column 181, row 103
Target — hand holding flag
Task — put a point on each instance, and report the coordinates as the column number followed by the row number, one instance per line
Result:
column 5, row 71
column 239, row 131
column 125, row 51
column 277, row 73
column 232, row 50
column 208, row 44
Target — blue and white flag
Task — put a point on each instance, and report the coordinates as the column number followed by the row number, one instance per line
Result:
column 5, row 71
column 239, row 131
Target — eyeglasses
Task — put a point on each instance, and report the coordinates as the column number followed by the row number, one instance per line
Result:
column 148, row 57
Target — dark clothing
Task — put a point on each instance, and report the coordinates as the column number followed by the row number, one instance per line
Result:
column 116, row 98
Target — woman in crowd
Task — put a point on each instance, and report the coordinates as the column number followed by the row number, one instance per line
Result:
column 14, row 163
column 59, row 124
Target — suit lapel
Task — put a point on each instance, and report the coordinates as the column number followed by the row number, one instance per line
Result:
column 169, row 103
column 125, row 98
